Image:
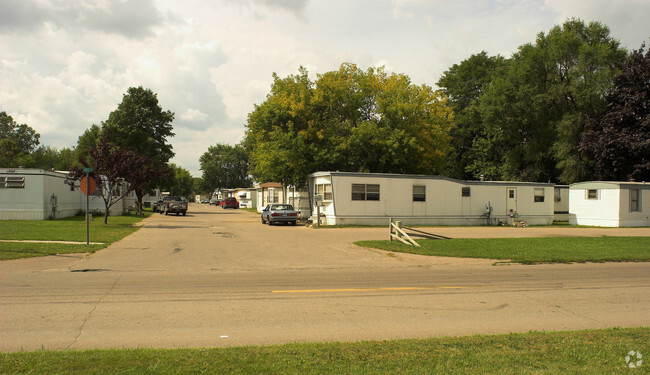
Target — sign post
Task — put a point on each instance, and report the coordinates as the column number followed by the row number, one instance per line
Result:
column 88, row 187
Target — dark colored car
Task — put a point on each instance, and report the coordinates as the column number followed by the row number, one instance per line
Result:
column 279, row 213
column 230, row 202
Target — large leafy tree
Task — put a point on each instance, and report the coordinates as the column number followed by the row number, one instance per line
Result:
column 179, row 181
column 618, row 140
column 17, row 142
column 225, row 167
column 464, row 84
column 47, row 157
column 348, row 120
column 535, row 109
column 87, row 142
column 140, row 124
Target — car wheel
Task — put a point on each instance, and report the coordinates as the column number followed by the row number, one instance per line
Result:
column 184, row 213
column 263, row 222
column 293, row 223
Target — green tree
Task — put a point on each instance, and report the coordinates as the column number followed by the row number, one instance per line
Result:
column 618, row 140
column 534, row 110
column 276, row 134
column 348, row 120
column 17, row 142
column 464, row 84
column 225, row 167
column 179, row 182
column 140, row 124
column 87, row 142
column 47, row 157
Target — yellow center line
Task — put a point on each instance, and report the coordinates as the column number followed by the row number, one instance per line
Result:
column 366, row 289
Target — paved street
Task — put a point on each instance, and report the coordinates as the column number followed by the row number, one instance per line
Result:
column 220, row 278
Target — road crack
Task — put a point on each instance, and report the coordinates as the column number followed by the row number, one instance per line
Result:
column 91, row 312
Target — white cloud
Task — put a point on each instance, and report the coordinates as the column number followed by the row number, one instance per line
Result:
column 64, row 65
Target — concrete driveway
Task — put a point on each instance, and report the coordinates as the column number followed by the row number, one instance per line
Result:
column 220, row 278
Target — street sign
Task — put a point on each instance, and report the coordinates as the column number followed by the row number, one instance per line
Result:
column 88, row 185
column 87, row 170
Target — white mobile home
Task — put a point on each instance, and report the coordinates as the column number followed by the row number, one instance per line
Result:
column 247, row 197
column 269, row 192
column 371, row 198
column 610, row 204
column 37, row 194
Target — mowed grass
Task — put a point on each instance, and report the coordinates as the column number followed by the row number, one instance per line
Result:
column 579, row 352
column 67, row 229
column 530, row 250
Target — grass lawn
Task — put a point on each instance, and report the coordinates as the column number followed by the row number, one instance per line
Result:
column 580, row 352
column 530, row 250
column 68, row 229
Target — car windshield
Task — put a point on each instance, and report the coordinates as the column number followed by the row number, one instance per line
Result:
column 282, row 207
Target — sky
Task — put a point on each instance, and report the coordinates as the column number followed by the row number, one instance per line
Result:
column 65, row 64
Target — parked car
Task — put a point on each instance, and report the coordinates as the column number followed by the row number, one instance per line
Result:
column 216, row 202
column 279, row 213
column 230, row 203
column 174, row 205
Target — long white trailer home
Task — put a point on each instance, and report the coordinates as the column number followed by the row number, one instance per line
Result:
column 610, row 204
column 37, row 194
column 371, row 198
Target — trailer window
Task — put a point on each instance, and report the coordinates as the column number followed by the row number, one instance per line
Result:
column 635, row 200
column 592, row 194
column 365, row 192
column 419, row 193
column 539, row 195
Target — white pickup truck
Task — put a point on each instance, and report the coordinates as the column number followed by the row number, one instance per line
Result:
column 173, row 204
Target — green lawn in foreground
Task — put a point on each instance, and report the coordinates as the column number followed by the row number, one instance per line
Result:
column 530, row 250
column 68, row 229
column 581, row 352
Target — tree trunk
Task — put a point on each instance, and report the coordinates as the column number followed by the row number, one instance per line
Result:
column 106, row 211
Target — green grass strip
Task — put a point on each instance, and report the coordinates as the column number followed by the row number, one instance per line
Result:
column 11, row 250
column 68, row 229
column 530, row 250
column 580, row 352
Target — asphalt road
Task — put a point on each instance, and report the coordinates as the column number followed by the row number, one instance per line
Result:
column 221, row 278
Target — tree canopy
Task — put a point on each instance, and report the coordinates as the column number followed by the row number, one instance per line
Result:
column 617, row 141
column 347, row 120
column 225, row 167
column 179, row 181
column 17, row 142
column 141, row 125
column 532, row 112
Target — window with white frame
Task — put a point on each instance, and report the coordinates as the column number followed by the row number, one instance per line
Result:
column 365, row 192
column 539, row 195
column 635, row 200
column 419, row 193
column 592, row 194
column 466, row 191
column 272, row 196
column 324, row 190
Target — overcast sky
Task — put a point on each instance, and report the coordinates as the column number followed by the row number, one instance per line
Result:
column 65, row 64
